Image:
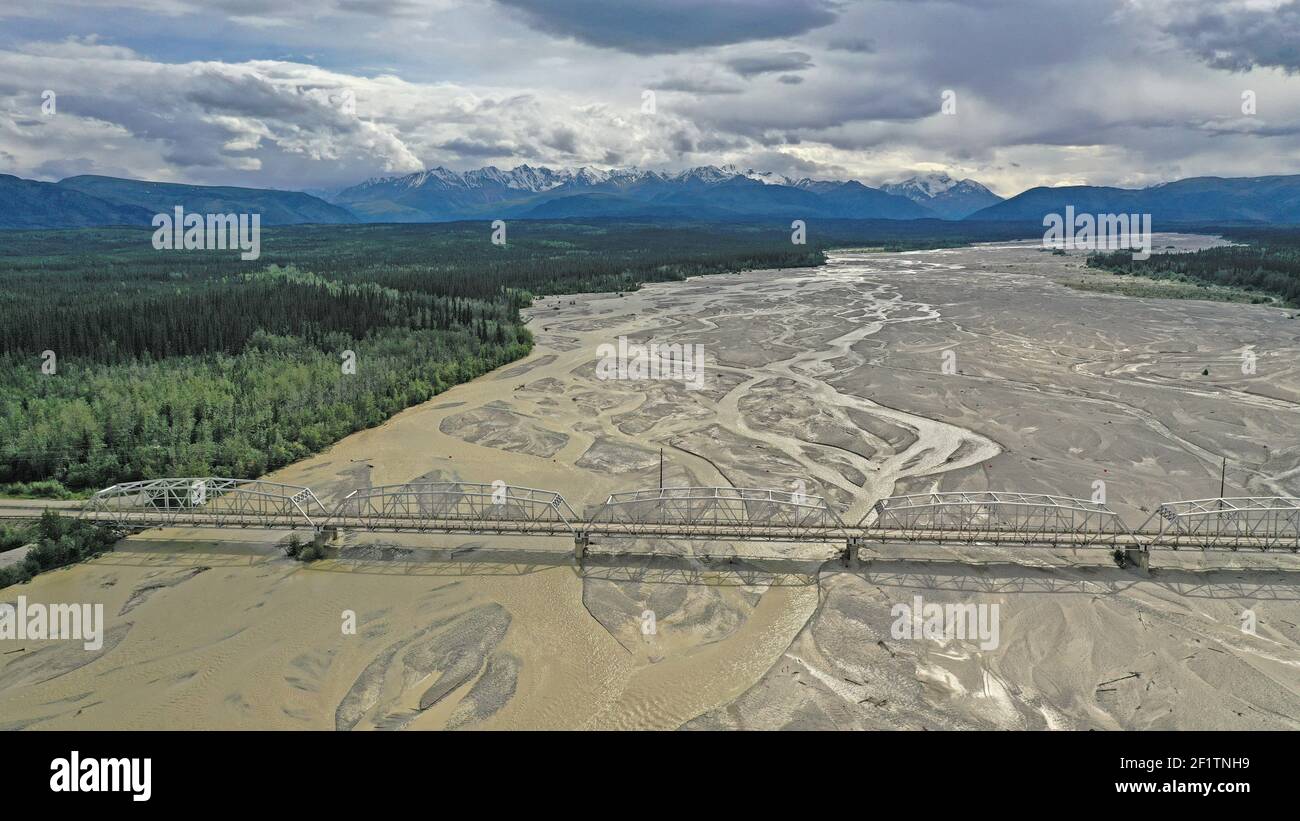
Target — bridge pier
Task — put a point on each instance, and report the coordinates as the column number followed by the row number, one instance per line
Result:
column 581, row 541
column 849, row 556
column 1138, row 556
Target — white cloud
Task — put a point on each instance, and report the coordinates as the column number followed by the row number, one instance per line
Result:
column 1118, row 92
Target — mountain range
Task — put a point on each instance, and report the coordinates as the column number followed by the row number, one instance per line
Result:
column 706, row 193
column 79, row 202
column 1196, row 199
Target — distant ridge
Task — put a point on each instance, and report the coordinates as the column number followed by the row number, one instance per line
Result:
column 32, row 204
column 87, row 201
column 1274, row 199
column 276, row 207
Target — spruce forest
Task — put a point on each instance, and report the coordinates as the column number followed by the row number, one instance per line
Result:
column 119, row 362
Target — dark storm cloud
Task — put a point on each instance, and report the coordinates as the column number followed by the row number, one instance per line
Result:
column 219, row 91
column 694, row 85
column 69, row 167
column 380, row 8
column 857, row 45
column 1243, row 38
column 563, row 139
column 1250, row 125
column 669, row 26
column 682, row 143
column 770, row 63
column 466, row 147
column 814, row 112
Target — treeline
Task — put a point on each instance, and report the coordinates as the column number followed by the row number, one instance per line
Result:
column 454, row 260
column 457, row 259
column 1267, row 263
column 221, row 316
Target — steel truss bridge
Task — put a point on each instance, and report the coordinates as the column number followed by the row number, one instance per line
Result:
column 724, row 514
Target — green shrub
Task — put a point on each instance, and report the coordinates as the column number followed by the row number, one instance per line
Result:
column 310, row 551
column 59, row 542
column 17, row 574
column 14, row 536
column 48, row 489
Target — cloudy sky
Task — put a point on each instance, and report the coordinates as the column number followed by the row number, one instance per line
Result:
column 319, row 94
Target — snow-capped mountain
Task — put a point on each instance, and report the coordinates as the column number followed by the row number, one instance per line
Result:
column 704, row 192
column 925, row 185
column 947, row 197
column 713, row 173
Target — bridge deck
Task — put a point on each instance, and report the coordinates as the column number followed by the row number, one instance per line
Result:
column 774, row 533
column 401, row 524
column 1001, row 537
column 986, row 518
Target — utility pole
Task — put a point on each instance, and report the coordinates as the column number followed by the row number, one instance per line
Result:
column 1223, row 476
column 661, row 468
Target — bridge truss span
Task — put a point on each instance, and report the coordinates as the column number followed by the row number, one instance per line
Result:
column 203, row 501
column 1034, row 519
column 455, row 507
column 1262, row 522
column 717, row 513
column 698, row 513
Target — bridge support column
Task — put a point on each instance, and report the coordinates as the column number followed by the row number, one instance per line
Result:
column 849, row 556
column 581, row 541
column 1138, row 556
